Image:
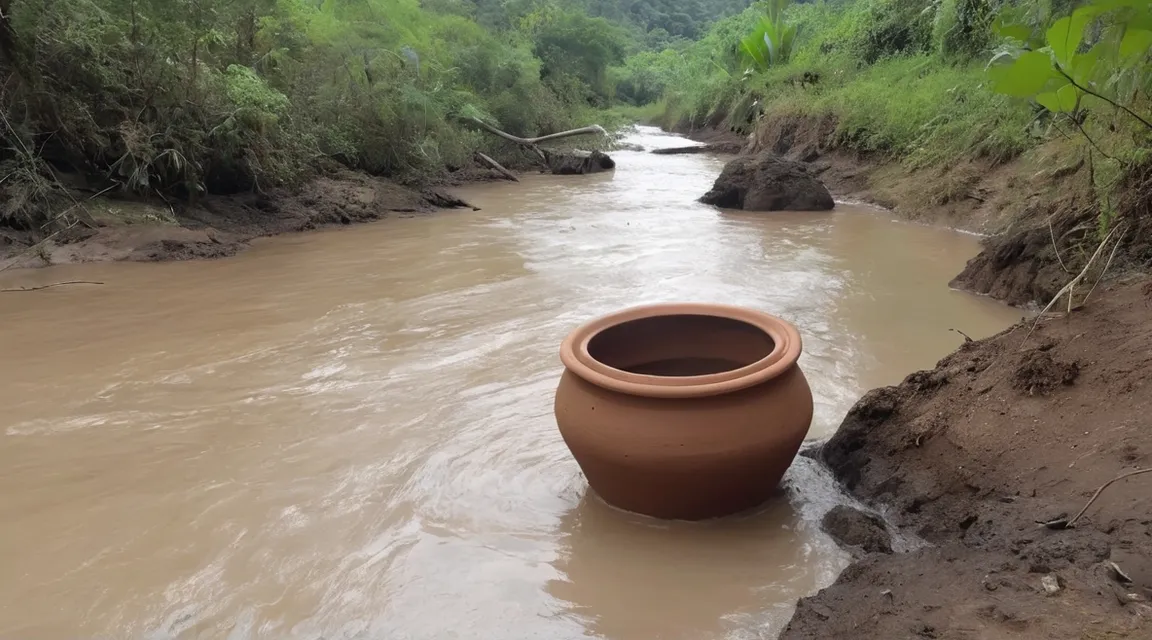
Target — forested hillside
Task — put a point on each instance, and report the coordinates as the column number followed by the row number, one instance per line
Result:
column 661, row 20
column 178, row 98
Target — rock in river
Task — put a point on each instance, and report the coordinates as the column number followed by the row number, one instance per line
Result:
column 577, row 162
column 767, row 182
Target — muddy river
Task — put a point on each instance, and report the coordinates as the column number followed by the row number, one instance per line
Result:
column 348, row 433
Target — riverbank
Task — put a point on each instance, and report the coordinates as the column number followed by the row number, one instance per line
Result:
column 974, row 456
column 222, row 225
column 1037, row 212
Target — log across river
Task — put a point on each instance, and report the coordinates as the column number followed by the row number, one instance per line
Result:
column 349, row 433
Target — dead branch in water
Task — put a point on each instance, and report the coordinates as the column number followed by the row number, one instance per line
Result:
column 1072, row 522
column 532, row 143
column 497, row 167
column 47, row 286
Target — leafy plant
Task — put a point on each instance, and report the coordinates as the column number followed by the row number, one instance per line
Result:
column 1095, row 57
column 771, row 41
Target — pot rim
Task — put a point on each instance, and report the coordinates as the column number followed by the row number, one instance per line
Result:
column 785, row 353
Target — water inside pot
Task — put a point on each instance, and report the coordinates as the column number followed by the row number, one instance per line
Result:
column 680, row 345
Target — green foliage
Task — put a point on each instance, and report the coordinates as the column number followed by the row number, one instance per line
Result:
column 183, row 97
column 1095, row 58
column 962, row 28
column 1090, row 70
column 679, row 18
column 892, row 76
column 882, row 28
column 770, row 43
column 657, row 22
column 576, row 51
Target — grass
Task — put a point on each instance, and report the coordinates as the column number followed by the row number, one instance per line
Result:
column 915, row 108
column 876, row 68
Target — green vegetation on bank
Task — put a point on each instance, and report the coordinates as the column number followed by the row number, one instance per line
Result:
column 178, row 98
column 908, row 78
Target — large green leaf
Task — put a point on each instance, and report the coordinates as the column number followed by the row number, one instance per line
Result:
column 1136, row 42
column 1082, row 67
column 754, row 49
column 1065, row 35
column 1063, row 100
column 789, row 36
column 1024, row 77
column 1015, row 22
column 1021, row 32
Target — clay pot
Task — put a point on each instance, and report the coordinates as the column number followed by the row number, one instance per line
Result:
column 684, row 411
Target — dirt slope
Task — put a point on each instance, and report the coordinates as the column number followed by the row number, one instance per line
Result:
column 971, row 456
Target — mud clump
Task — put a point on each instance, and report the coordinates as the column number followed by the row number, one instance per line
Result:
column 977, row 458
column 1039, row 373
column 1018, row 267
column 855, row 529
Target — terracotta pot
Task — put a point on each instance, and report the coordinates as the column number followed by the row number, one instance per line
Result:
column 684, row 411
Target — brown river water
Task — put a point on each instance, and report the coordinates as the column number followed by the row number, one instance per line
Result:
column 348, row 433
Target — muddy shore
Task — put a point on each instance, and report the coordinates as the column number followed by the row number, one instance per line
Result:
column 972, row 459
column 222, row 225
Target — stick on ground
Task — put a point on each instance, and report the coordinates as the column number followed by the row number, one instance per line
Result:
column 1101, row 490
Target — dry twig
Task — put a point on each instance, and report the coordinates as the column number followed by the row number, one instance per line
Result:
column 1072, row 522
column 1071, row 286
column 1055, row 248
column 46, row 286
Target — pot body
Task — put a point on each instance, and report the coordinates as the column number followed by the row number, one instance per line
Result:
column 689, row 456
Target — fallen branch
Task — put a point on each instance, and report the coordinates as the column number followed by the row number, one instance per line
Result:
column 492, row 164
column 1103, row 271
column 1072, row 522
column 967, row 338
column 47, row 286
column 532, row 143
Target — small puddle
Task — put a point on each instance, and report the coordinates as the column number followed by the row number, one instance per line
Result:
column 349, row 433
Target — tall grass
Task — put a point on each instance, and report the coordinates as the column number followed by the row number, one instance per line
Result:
column 895, row 77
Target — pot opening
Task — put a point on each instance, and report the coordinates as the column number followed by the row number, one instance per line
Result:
column 680, row 345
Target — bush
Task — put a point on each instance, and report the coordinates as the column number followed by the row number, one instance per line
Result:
column 182, row 97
